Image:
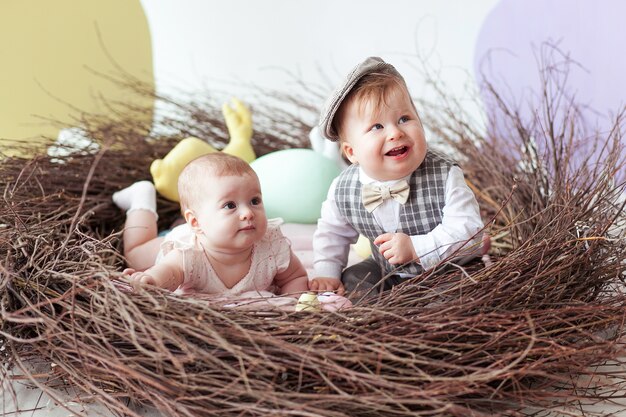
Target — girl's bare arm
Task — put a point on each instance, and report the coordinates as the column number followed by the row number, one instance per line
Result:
column 167, row 274
column 294, row 279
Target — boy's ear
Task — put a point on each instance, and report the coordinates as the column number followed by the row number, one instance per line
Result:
column 348, row 151
column 191, row 219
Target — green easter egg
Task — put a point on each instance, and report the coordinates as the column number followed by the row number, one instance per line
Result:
column 294, row 183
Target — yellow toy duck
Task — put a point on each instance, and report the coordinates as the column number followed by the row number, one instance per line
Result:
column 165, row 171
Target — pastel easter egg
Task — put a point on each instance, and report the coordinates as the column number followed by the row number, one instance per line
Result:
column 294, row 183
column 333, row 302
column 308, row 302
column 362, row 247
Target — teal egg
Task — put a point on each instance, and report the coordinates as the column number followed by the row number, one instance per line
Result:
column 294, row 183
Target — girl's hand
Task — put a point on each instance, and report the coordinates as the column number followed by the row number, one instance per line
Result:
column 143, row 279
column 128, row 271
column 139, row 277
column 167, row 274
column 323, row 284
column 397, row 248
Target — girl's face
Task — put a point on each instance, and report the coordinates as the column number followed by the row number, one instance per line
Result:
column 231, row 217
column 387, row 142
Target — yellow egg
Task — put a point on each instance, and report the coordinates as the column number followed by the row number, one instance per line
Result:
column 50, row 50
column 308, row 302
column 362, row 247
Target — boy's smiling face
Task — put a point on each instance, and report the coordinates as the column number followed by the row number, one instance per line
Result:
column 387, row 142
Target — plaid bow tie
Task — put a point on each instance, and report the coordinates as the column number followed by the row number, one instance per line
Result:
column 374, row 195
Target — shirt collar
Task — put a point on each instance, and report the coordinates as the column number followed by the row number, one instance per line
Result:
column 366, row 179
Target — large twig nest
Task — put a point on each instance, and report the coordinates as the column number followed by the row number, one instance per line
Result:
column 459, row 341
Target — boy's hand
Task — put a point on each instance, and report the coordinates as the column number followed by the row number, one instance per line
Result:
column 397, row 248
column 322, row 284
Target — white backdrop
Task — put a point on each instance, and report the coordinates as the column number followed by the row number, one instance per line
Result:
column 219, row 44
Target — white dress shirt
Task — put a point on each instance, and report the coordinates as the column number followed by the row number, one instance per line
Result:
column 460, row 221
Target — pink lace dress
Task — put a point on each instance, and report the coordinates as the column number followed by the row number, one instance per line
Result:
column 270, row 256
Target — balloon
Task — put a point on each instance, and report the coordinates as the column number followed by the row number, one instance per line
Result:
column 56, row 57
column 581, row 40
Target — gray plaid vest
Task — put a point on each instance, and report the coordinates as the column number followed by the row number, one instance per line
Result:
column 419, row 215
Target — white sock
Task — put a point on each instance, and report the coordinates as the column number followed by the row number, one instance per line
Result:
column 139, row 196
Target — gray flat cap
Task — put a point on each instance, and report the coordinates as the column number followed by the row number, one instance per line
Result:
column 370, row 65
